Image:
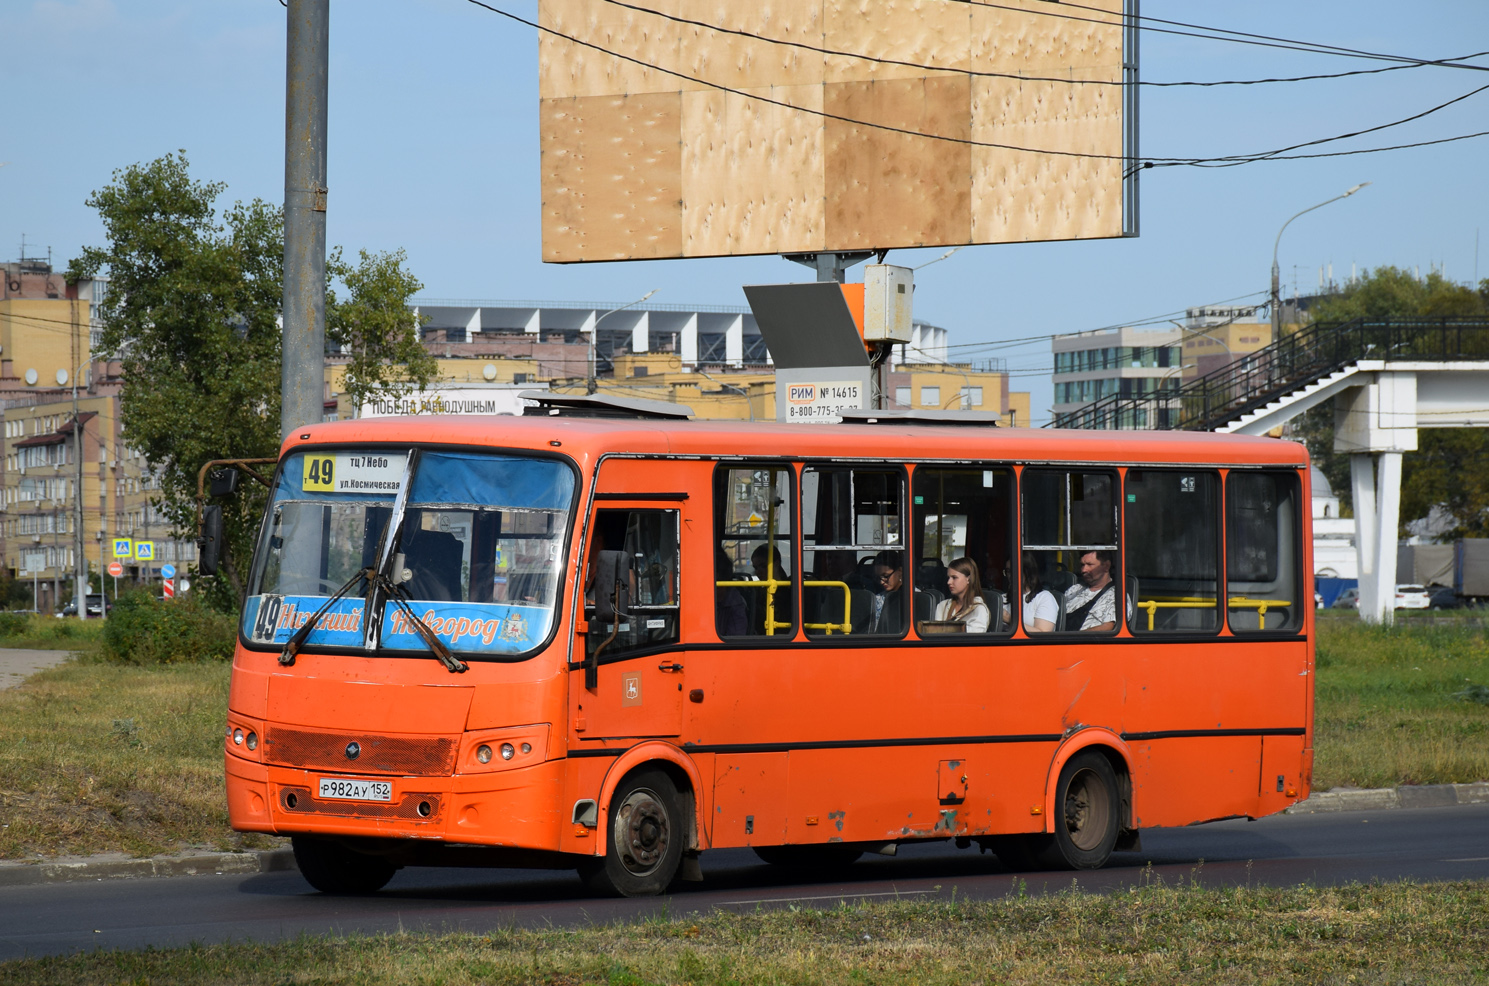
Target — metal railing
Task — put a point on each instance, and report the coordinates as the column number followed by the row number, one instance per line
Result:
column 1284, row 367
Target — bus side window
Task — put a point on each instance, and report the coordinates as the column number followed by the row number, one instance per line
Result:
column 631, row 581
column 1070, row 550
column 1261, row 550
column 754, row 593
column 1173, row 550
column 857, row 577
column 964, row 513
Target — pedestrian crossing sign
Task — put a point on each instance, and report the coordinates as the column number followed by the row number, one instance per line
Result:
column 144, row 551
column 123, row 548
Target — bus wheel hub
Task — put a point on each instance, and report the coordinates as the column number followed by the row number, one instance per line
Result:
column 642, row 831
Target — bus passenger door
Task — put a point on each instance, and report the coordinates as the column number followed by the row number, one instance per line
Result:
column 631, row 684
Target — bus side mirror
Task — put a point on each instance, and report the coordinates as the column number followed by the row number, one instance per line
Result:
column 209, row 541
column 224, row 482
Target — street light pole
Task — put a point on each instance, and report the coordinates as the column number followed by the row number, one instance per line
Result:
column 1276, row 274
column 591, row 384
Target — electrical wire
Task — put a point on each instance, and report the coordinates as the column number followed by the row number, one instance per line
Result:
column 1248, row 158
column 1239, row 37
column 1133, row 168
column 974, row 73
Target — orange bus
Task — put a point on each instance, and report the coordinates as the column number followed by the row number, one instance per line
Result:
column 588, row 640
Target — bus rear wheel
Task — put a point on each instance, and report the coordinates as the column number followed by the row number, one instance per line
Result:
column 1088, row 810
column 646, row 838
column 332, row 868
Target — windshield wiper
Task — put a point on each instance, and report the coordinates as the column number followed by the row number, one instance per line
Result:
column 397, row 596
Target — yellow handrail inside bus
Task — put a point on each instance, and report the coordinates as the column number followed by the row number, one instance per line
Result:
column 770, row 586
column 847, row 625
column 1192, row 602
column 1260, row 605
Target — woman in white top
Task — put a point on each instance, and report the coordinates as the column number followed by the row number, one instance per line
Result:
column 1041, row 609
column 965, row 605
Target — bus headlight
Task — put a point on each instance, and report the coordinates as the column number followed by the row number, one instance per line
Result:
column 509, row 748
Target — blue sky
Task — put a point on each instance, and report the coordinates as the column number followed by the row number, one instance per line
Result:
column 433, row 147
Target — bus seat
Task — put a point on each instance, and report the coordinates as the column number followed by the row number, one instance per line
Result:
column 994, row 600
column 924, row 606
column 434, row 559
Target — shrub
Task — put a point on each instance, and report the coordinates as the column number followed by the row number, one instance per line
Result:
column 144, row 630
column 14, row 624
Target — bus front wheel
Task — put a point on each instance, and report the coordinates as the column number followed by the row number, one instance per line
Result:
column 1088, row 808
column 332, row 868
column 647, row 835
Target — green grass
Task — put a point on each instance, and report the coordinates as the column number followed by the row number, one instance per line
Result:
column 1378, row 934
column 103, row 758
column 1386, row 711
column 98, row 757
column 37, row 631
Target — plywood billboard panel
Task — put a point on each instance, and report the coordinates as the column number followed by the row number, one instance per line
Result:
column 778, row 127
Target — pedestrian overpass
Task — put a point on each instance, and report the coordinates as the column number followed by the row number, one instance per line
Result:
column 1386, row 379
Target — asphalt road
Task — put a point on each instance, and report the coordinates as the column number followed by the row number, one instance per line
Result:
column 1322, row 849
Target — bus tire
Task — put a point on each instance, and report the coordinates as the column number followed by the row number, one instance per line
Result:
column 812, row 859
column 646, row 838
column 1088, row 813
column 332, row 868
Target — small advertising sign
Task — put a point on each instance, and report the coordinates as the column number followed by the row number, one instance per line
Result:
column 822, row 402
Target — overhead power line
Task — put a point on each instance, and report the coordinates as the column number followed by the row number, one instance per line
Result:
column 1143, row 163
column 1238, row 37
column 977, row 73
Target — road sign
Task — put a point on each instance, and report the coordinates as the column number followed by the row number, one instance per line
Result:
column 168, row 571
column 144, row 551
column 116, row 569
column 168, row 588
column 123, row 548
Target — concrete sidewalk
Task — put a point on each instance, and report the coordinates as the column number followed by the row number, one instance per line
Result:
column 16, row 664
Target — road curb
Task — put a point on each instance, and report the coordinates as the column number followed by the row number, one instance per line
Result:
column 117, row 866
column 1407, row 796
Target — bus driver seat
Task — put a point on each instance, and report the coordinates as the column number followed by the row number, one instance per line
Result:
column 434, row 559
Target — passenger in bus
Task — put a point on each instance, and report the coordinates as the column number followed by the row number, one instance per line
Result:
column 1041, row 608
column 966, row 604
column 1091, row 604
column 887, row 614
column 729, row 605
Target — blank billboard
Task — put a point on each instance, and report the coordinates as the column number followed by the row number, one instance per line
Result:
column 702, row 128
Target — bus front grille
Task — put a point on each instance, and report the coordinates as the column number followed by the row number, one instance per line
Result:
column 360, row 752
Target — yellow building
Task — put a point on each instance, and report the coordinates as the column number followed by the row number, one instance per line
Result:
column 1207, row 349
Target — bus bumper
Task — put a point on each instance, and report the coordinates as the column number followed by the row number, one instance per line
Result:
column 517, row 807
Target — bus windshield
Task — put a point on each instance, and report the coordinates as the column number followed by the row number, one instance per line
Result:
column 480, row 539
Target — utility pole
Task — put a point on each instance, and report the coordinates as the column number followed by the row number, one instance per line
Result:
column 302, row 388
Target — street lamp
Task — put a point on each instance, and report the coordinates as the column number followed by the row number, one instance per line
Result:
column 1276, row 287
column 595, row 330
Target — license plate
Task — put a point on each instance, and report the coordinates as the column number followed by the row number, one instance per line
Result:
column 343, row 789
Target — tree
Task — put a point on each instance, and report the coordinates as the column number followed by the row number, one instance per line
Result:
column 1450, row 469
column 192, row 314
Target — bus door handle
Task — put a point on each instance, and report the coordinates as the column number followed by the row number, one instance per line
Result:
column 674, row 667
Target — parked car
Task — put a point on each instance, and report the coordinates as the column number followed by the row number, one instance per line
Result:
column 1348, row 599
column 97, row 606
column 1412, row 597
column 1445, row 597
